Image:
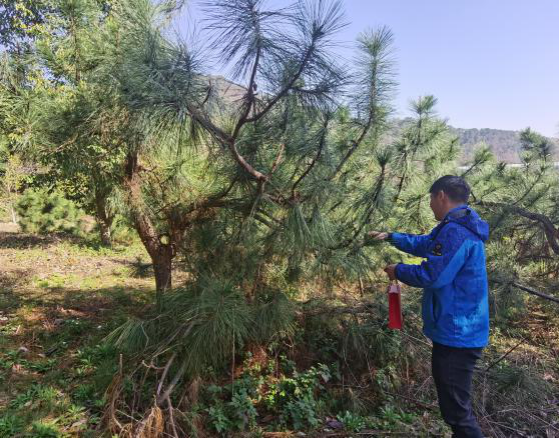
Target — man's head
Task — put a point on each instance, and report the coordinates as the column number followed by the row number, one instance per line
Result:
column 447, row 193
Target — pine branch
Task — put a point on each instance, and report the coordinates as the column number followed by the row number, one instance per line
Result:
column 482, row 156
column 283, row 92
column 551, row 233
column 376, row 85
column 250, row 97
column 368, row 212
column 353, row 148
column 321, row 145
column 227, row 140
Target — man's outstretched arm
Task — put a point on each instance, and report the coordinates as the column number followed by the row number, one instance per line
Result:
column 413, row 244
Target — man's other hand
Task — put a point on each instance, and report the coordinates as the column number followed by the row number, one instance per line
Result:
column 391, row 271
column 377, row 235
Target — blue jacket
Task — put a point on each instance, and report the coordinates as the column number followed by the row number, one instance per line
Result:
column 455, row 306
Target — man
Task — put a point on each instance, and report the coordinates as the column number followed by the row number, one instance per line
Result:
column 455, row 307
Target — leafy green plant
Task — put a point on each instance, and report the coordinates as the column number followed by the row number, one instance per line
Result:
column 232, row 408
column 85, row 393
column 43, row 366
column 389, row 415
column 352, row 422
column 218, row 419
column 296, row 400
column 10, row 425
column 44, row 430
column 23, row 399
column 243, row 411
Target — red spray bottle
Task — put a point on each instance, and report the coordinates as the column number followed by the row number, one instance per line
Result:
column 395, row 319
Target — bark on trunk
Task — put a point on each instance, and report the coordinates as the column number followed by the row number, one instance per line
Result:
column 13, row 211
column 104, row 220
column 161, row 254
column 162, row 266
column 105, row 233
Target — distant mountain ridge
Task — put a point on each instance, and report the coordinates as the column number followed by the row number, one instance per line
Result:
column 503, row 143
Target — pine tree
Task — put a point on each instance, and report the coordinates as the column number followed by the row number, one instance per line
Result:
column 41, row 212
column 155, row 94
column 80, row 165
column 268, row 194
column 520, row 204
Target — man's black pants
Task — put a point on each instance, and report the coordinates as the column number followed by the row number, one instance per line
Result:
column 453, row 369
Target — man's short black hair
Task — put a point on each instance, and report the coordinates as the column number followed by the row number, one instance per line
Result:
column 456, row 188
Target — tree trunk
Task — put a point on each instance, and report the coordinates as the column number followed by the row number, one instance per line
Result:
column 13, row 211
column 105, row 234
column 163, row 269
column 104, row 220
column 161, row 253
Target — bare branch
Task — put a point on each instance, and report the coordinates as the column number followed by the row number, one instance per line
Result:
column 165, row 371
column 504, row 355
column 535, row 292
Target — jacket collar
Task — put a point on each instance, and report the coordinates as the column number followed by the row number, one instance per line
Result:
column 460, row 207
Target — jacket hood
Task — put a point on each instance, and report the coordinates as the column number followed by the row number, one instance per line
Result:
column 468, row 218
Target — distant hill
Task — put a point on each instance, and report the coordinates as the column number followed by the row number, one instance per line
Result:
column 504, row 144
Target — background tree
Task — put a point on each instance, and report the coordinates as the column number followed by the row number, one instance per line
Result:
column 15, row 171
column 82, row 169
column 13, row 176
column 520, row 204
column 20, row 22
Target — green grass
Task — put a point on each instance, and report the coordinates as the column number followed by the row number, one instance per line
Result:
column 74, row 292
column 61, row 394
column 72, row 295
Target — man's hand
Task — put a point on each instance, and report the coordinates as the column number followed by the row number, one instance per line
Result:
column 391, row 272
column 377, row 235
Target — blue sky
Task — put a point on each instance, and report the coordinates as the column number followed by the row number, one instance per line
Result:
column 490, row 63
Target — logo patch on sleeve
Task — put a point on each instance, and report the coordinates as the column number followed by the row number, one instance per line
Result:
column 437, row 250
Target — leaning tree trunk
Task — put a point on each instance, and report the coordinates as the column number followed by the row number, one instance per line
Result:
column 161, row 253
